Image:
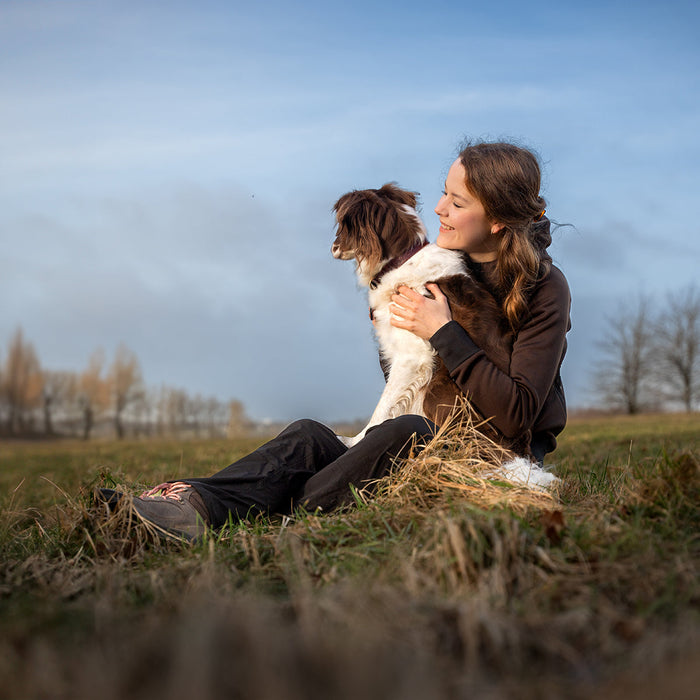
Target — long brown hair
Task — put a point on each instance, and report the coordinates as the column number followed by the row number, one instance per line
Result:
column 506, row 180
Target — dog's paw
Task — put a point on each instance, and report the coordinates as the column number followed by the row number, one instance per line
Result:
column 350, row 441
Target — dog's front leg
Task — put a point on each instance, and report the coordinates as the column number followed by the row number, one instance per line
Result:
column 402, row 394
column 350, row 441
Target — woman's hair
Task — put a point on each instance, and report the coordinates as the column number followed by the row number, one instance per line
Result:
column 506, row 180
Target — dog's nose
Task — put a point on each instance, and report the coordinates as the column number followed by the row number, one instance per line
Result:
column 335, row 250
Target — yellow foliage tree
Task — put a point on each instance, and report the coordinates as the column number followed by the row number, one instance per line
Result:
column 125, row 383
column 22, row 384
column 93, row 392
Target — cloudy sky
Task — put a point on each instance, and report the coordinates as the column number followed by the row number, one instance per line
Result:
column 168, row 169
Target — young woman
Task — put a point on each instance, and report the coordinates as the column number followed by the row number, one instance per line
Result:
column 490, row 210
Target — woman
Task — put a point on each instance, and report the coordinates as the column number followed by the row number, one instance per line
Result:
column 490, row 210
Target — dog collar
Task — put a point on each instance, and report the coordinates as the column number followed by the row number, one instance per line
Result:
column 394, row 263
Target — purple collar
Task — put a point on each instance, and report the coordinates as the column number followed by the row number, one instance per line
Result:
column 396, row 262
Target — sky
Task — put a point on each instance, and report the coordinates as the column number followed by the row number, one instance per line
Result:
column 168, row 172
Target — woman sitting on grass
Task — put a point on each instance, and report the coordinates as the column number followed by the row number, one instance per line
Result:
column 490, row 210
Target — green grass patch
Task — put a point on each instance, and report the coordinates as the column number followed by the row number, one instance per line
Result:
column 431, row 589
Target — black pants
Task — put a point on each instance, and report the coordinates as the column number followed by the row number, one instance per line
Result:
column 306, row 465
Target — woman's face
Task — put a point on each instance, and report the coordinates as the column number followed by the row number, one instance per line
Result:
column 463, row 222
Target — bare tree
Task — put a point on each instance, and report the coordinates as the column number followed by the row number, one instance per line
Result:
column 678, row 341
column 173, row 410
column 196, row 413
column 142, row 412
column 126, row 384
column 59, row 392
column 21, row 384
column 624, row 377
column 216, row 414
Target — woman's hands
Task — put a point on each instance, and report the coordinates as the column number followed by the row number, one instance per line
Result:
column 418, row 314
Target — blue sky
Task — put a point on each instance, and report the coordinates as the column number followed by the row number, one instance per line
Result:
column 167, row 172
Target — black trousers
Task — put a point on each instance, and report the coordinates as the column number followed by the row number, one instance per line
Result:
column 306, row 465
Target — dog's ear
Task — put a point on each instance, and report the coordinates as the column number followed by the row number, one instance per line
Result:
column 356, row 217
column 342, row 204
column 397, row 194
column 400, row 230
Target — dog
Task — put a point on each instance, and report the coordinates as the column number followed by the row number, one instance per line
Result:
column 381, row 230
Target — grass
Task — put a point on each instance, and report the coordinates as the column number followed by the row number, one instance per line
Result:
column 445, row 584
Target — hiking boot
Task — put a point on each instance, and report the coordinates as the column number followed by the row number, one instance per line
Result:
column 175, row 509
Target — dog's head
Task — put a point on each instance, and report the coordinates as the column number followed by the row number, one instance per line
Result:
column 374, row 226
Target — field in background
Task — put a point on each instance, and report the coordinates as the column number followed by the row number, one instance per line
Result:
column 471, row 592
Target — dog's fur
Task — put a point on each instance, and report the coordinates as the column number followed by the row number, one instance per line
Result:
column 377, row 229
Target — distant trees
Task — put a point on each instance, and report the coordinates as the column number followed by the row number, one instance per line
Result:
column 126, row 384
column 34, row 401
column 624, row 375
column 59, row 390
column 21, row 385
column 93, row 393
column 678, row 337
column 238, row 422
column 179, row 413
column 651, row 357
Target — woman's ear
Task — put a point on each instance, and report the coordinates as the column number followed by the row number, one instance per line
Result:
column 496, row 228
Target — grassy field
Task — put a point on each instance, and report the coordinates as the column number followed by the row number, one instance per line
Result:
column 435, row 588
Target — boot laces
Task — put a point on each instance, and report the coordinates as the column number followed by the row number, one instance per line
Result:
column 169, row 491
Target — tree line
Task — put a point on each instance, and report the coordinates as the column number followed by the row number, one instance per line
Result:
column 103, row 398
column 649, row 360
column 650, row 354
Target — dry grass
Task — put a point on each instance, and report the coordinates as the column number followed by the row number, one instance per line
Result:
column 460, row 461
column 445, row 584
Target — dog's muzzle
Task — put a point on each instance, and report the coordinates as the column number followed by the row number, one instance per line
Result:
column 340, row 254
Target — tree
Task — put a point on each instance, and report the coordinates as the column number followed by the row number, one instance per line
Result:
column 21, row 384
column 59, row 391
column 678, row 342
column 172, row 410
column 3, row 401
column 126, row 384
column 625, row 377
column 238, row 422
column 216, row 415
column 141, row 412
column 93, row 393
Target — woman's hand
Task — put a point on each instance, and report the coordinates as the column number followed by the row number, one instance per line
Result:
column 418, row 314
